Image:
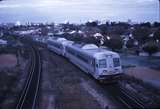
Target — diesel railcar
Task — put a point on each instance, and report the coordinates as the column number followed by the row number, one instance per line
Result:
column 98, row 62
column 58, row 45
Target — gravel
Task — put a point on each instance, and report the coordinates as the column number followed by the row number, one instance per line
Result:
column 64, row 86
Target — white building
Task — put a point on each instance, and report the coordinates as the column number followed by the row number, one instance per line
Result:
column 100, row 37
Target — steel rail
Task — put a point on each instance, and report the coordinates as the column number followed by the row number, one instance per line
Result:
column 128, row 99
column 29, row 94
column 131, row 100
column 37, row 88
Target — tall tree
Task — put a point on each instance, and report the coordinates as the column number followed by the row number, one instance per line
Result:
column 157, row 34
column 141, row 34
column 92, row 24
column 114, row 43
column 103, row 29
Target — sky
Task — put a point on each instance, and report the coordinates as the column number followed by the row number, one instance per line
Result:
column 77, row 11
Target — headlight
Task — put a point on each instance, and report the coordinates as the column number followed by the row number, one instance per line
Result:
column 104, row 71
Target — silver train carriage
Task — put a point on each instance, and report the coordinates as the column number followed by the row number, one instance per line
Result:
column 58, row 45
column 100, row 63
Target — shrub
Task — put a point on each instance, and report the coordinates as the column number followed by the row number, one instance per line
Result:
column 150, row 48
column 114, row 43
column 157, row 34
column 92, row 40
column 130, row 43
column 141, row 34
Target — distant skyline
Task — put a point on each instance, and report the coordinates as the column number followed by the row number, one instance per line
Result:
column 77, row 11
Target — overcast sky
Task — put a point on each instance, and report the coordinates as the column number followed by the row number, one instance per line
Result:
column 78, row 10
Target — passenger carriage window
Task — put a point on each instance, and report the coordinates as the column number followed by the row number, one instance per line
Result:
column 116, row 62
column 70, row 51
column 82, row 57
column 102, row 63
column 97, row 65
column 92, row 62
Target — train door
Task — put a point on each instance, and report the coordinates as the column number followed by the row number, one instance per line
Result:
column 102, row 66
column 96, row 68
column 110, row 66
column 92, row 66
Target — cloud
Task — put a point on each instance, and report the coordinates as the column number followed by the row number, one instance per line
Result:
column 80, row 9
column 46, row 3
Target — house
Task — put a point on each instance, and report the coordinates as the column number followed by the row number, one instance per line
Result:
column 100, row 37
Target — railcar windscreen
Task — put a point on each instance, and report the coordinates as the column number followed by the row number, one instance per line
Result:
column 102, row 63
column 116, row 62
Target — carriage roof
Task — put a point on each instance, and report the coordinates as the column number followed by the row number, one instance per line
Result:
column 93, row 51
column 67, row 42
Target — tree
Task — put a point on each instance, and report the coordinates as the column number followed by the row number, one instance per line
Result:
column 157, row 34
column 141, row 34
column 119, row 30
column 147, row 24
column 114, row 43
column 150, row 48
column 44, row 31
column 156, row 24
column 92, row 24
column 107, row 24
column 91, row 40
column 75, row 38
column 103, row 29
column 130, row 43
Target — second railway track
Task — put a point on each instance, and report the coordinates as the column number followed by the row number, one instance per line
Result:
column 126, row 98
column 28, row 97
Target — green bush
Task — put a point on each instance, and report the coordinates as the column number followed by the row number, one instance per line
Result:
column 150, row 48
column 114, row 43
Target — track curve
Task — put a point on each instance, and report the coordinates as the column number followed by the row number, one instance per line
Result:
column 28, row 97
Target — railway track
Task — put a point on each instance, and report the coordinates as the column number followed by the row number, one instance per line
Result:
column 126, row 98
column 28, row 97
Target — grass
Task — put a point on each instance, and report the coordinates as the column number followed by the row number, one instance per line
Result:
column 128, row 66
column 146, row 85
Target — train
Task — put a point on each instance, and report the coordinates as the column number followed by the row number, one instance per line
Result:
column 58, row 45
column 100, row 63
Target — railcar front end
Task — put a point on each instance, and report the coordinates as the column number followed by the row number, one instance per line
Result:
column 108, row 68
